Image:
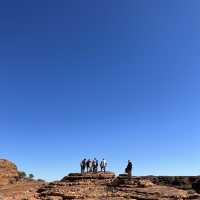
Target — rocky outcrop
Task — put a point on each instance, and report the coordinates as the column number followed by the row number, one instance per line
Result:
column 101, row 186
column 8, row 172
column 77, row 186
column 89, row 176
column 142, row 188
column 196, row 185
column 13, row 186
column 21, row 190
column 96, row 186
column 180, row 182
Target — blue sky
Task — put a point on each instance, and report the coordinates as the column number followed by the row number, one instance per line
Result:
column 111, row 79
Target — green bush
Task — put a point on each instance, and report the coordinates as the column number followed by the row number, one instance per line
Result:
column 22, row 174
column 31, row 176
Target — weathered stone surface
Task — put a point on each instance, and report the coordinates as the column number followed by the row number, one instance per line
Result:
column 90, row 186
column 8, row 172
column 145, row 183
column 12, row 187
column 99, row 175
column 98, row 186
column 180, row 182
column 132, row 190
column 196, row 186
column 20, row 190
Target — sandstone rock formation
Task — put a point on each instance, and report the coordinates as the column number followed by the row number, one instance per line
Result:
column 196, row 185
column 8, row 172
column 78, row 186
column 96, row 186
column 12, row 186
column 22, row 190
column 105, row 186
column 143, row 188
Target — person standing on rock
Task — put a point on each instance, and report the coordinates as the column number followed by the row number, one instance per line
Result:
column 88, row 165
column 83, row 165
column 97, row 164
column 94, row 163
column 129, row 169
column 103, row 165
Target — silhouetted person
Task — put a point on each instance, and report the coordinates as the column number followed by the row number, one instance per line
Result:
column 88, row 165
column 129, row 169
column 103, row 165
column 94, row 164
column 83, row 165
column 97, row 165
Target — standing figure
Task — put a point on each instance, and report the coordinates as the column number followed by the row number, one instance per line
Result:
column 128, row 169
column 94, row 162
column 97, row 164
column 83, row 165
column 88, row 165
column 103, row 165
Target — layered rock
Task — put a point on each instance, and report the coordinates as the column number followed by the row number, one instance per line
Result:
column 13, row 186
column 78, row 186
column 101, row 186
column 196, row 186
column 96, row 186
column 181, row 182
column 89, row 176
column 8, row 172
column 22, row 190
column 142, row 188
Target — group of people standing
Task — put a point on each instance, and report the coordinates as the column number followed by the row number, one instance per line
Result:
column 92, row 165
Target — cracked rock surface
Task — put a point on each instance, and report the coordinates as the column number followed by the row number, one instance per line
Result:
column 96, row 186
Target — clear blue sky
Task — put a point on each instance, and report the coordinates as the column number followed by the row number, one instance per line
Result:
column 114, row 79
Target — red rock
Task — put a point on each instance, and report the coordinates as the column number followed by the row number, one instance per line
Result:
column 8, row 172
column 93, row 186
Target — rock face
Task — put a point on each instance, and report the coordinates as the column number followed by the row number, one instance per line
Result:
column 8, row 172
column 89, row 176
column 196, row 185
column 180, row 182
column 21, row 190
column 12, row 186
column 77, row 186
column 143, row 188
column 96, row 186
column 106, row 186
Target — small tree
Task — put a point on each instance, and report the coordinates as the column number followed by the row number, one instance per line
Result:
column 22, row 174
column 31, row 176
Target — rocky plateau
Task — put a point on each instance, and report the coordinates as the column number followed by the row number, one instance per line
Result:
column 96, row 186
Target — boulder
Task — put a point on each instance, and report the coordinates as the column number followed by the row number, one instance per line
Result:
column 145, row 183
